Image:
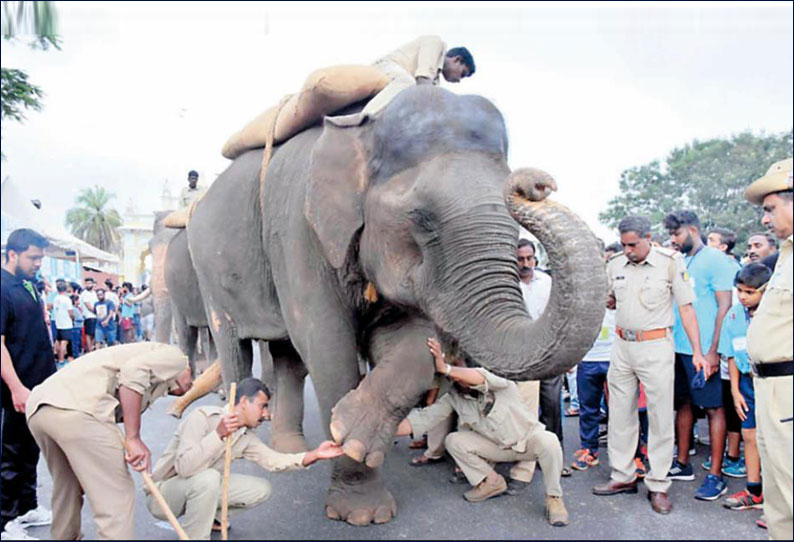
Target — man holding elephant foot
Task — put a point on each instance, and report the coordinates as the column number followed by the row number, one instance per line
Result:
column 494, row 427
column 189, row 472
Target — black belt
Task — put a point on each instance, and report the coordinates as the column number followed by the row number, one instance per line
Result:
column 767, row 370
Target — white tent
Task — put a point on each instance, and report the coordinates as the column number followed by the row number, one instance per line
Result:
column 18, row 211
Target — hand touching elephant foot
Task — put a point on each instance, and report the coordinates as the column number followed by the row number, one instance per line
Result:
column 535, row 184
column 359, row 497
column 363, row 426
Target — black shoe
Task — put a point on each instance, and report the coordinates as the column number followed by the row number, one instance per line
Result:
column 458, row 478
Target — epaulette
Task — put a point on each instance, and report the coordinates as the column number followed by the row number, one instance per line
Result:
column 669, row 252
column 615, row 256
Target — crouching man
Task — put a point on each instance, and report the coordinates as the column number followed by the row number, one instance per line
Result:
column 189, row 472
column 494, row 427
column 73, row 416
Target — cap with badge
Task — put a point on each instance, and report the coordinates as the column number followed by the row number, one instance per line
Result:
column 777, row 179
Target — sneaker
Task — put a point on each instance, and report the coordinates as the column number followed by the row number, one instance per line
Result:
column 734, row 469
column 35, row 518
column 14, row 531
column 743, row 500
column 692, row 451
column 712, row 488
column 556, row 512
column 640, row 468
column 681, row 472
column 583, row 459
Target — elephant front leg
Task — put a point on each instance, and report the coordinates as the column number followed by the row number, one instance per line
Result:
column 366, row 419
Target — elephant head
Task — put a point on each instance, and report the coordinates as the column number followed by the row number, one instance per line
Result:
column 422, row 200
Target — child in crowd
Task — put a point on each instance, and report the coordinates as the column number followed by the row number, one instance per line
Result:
column 749, row 283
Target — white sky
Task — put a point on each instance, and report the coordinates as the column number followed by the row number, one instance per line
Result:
column 143, row 92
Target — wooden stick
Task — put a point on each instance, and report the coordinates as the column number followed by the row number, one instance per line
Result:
column 227, row 465
column 147, row 479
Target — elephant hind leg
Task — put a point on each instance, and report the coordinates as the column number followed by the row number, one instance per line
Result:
column 289, row 375
column 187, row 338
column 236, row 355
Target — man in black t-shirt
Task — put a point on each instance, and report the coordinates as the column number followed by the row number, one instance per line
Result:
column 27, row 360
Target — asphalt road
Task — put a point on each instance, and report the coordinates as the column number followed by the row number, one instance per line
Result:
column 429, row 507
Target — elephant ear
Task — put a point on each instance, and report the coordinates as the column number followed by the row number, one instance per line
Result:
column 338, row 177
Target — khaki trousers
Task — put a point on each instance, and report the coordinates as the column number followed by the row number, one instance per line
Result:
column 85, row 455
column 773, row 402
column 475, row 454
column 197, row 499
column 523, row 471
column 436, row 436
column 653, row 364
column 399, row 80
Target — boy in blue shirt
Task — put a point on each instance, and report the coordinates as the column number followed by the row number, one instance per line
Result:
column 712, row 279
column 733, row 345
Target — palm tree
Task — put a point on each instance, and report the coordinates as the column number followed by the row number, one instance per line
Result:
column 91, row 221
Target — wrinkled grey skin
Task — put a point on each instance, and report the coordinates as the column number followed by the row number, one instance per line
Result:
column 158, row 246
column 187, row 305
column 415, row 203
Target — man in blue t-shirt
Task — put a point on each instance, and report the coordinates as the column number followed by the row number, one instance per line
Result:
column 105, row 311
column 711, row 276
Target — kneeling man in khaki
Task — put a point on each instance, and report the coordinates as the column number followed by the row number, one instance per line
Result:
column 189, row 472
column 73, row 416
column 495, row 426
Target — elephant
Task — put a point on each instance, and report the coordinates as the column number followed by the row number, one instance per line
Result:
column 365, row 241
column 187, row 305
column 158, row 247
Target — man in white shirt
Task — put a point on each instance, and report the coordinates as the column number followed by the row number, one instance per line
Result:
column 64, row 319
column 536, row 288
column 87, row 300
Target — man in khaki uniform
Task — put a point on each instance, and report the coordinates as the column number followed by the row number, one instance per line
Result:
column 73, row 416
column 494, row 426
column 419, row 62
column 769, row 344
column 189, row 472
column 643, row 282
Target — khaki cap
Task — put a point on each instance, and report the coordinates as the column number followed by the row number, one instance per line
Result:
column 777, row 178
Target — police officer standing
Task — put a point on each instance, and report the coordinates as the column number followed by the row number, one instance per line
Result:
column 643, row 281
column 27, row 360
column 769, row 344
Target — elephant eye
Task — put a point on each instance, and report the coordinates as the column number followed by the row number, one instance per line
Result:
column 423, row 219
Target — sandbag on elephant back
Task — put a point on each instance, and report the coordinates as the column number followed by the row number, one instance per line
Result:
column 325, row 91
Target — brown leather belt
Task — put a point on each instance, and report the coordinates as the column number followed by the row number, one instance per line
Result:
column 767, row 370
column 632, row 335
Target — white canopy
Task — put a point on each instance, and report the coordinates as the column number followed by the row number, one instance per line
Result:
column 18, row 211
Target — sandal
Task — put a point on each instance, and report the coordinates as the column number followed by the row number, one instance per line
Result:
column 216, row 526
column 571, row 412
column 422, row 460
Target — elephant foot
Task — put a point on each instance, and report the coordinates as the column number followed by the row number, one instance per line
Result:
column 288, row 443
column 363, row 427
column 360, row 499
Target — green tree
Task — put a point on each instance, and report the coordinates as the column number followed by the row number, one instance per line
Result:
column 37, row 23
column 92, row 221
column 708, row 177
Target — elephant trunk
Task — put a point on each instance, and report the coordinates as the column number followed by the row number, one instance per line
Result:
column 491, row 324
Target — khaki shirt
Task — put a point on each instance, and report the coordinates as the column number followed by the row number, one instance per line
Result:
column 189, row 195
column 423, row 57
column 497, row 413
column 769, row 335
column 91, row 383
column 644, row 292
column 196, row 447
